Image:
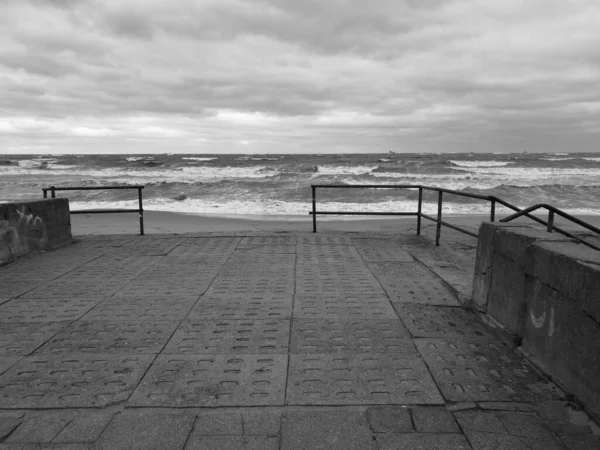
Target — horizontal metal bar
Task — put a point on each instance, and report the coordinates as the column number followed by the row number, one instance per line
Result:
column 357, row 213
column 91, row 188
column 556, row 211
column 449, row 225
column 104, row 211
column 369, row 186
column 462, row 194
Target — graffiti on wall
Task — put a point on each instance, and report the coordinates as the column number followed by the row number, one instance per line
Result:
column 23, row 232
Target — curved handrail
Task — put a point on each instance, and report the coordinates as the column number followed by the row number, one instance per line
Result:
column 552, row 210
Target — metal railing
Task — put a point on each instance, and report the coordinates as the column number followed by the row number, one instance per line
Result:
column 438, row 219
column 139, row 210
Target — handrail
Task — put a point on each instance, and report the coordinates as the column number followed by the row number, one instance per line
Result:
column 438, row 219
column 552, row 210
column 139, row 210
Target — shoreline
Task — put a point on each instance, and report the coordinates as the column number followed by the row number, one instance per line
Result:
column 161, row 222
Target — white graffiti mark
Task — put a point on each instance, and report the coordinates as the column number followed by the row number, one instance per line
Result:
column 25, row 234
column 537, row 322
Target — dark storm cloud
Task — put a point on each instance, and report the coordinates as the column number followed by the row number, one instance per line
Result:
column 266, row 73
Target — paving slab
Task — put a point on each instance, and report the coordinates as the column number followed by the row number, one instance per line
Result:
column 7, row 362
column 22, row 338
column 143, row 308
column 71, row 381
column 252, row 306
column 219, row 424
column 434, row 420
column 482, row 370
column 85, row 426
column 439, row 321
column 353, row 379
column 41, row 426
column 411, row 283
column 232, row 442
column 252, row 241
column 514, row 430
column 266, row 250
column 152, row 430
column 343, row 306
column 330, row 430
column 213, row 380
column 46, row 310
column 327, row 253
column 262, row 422
column 390, row 419
column 110, row 337
column 230, row 337
column 217, row 248
column 422, row 441
column 381, row 250
column 248, row 283
column 324, row 239
column 344, row 335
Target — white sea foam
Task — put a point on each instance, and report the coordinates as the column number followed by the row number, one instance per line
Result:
column 194, row 158
column 139, row 158
column 592, row 159
column 481, row 163
column 268, row 207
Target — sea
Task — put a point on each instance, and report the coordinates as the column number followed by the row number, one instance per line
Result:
column 279, row 185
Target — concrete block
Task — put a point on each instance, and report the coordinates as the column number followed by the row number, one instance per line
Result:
column 572, row 269
column 506, row 300
column 482, row 275
column 564, row 338
column 512, row 241
column 30, row 226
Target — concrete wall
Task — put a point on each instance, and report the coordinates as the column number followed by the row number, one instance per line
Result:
column 30, row 226
column 544, row 289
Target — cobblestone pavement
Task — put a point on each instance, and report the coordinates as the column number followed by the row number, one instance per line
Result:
column 262, row 341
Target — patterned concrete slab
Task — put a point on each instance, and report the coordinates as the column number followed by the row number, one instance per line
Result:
column 435, row 321
column 327, row 253
column 248, row 262
column 324, row 239
column 156, row 285
column 343, row 335
column 111, row 338
column 218, row 248
column 230, row 337
column 213, row 380
column 266, row 250
column 411, row 283
column 142, row 308
column 7, row 362
column 381, row 250
column 252, row 241
column 248, row 283
column 343, row 306
column 46, row 310
column 71, row 381
column 22, row 338
column 351, row 379
column 469, row 369
column 123, row 260
column 150, row 246
column 330, row 283
column 257, row 306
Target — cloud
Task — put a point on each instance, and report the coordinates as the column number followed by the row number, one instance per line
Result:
column 422, row 75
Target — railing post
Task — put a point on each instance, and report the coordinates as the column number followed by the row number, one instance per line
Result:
column 314, row 211
column 45, row 193
column 493, row 210
column 419, row 211
column 141, row 208
column 550, row 221
column 53, row 191
column 438, row 230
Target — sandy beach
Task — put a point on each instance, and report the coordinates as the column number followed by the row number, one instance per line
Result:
column 158, row 222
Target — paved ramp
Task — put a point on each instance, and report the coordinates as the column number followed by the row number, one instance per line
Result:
column 262, row 341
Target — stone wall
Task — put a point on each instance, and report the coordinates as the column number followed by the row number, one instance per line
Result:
column 544, row 290
column 30, row 226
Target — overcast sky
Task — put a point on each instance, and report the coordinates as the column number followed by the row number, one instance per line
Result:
column 311, row 76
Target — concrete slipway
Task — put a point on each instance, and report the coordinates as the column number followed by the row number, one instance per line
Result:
column 262, row 341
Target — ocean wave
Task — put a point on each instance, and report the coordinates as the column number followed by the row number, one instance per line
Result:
column 481, row 163
column 345, row 170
